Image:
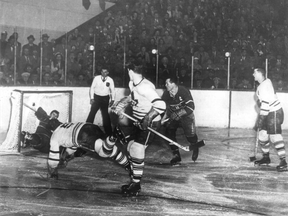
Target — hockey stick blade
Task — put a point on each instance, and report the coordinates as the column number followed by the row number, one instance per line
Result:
column 196, row 145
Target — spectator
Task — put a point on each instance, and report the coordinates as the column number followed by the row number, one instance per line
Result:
column 24, row 79
column 30, row 45
column 47, row 48
column 3, row 81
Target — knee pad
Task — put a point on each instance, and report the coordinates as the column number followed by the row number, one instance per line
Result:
column 263, row 136
column 98, row 146
column 275, row 138
column 136, row 150
column 193, row 139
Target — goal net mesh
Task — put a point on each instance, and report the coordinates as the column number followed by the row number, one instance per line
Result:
column 23, row 115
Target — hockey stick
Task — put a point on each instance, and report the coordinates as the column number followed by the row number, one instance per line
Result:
column 185, row 148
column 28, row 106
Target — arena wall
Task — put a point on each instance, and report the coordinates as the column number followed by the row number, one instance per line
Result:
column 212, row 106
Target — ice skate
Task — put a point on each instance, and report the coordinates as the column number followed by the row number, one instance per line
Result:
column 195, row 154
column 265, row 160
column 282, row 166
column 176, row 160
column 118, row 134
column 132, row 189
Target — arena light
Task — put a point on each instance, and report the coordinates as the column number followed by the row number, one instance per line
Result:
column 154, row 51
column 228, row 54
column 91, row 48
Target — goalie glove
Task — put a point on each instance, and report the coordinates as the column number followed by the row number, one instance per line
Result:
column 147, row 120
column 119, row 106
column 177, row 114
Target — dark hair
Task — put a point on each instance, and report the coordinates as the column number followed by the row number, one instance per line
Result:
column 56, row 111
column 173, row 79
column 262, row 71
column 136, row 67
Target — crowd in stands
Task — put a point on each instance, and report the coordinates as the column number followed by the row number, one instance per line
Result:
column 254, row 32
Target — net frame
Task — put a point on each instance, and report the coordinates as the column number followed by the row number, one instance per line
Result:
column 19, row 112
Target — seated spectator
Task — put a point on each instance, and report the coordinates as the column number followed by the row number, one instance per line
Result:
column 46, row 79
column 58, row 64
column 184, row 79
column 24, row 80
column 144, row 56
column 208, row 82
column 70, row 79
column 80, row 81
column 57, row 79
column 244, row 83
column 217, row 83
column 35, row 59
column 280, row 85
column 3, row 81
column 34, row 79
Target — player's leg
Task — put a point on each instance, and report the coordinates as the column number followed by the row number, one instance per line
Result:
column 170, row 132
column 274, row 121
column 54, row 155
column 189, row 127
column 136, row 150
column 93, row 110
column 92, row 137
column 263, row 139
column 105, row 115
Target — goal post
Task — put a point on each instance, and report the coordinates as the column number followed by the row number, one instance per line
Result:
column 23, row 106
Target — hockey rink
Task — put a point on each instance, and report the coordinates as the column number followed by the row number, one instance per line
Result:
column 221, row 182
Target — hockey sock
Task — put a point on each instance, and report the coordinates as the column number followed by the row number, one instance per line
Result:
column 137, row 154
column 119, row 157
column 107, row 146
column 278, row 142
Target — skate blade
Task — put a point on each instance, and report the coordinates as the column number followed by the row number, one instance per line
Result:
column 264, row 164
column 282, row 169
column 175, row 165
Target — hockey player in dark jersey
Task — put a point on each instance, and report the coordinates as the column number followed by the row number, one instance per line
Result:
column 73, row 136
column 146, row 108
column 40, row 140
column 180, row 112
column 270, row 119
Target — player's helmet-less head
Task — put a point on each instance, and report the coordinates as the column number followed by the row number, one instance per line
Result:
column 54, row 114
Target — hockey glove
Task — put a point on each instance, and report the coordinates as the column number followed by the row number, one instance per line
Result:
column 147, row 120
column 119, row 107
column 176, row 115
column 261, row 122
column 111, row 103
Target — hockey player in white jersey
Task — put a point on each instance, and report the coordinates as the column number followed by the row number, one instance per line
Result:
column 84, row 135
column 146, row 108
column 270, row 119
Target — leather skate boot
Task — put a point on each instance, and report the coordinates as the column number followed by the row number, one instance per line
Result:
column 132, row 189
column 176, row 160
column 282, row 166
column 195, row 154
column 265, row 160
column 118, row 134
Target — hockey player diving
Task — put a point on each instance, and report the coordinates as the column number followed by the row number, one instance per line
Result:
column 270, row 119
column 146, row 108
column 73, row 136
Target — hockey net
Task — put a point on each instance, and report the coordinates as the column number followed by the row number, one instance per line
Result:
column 24, row 105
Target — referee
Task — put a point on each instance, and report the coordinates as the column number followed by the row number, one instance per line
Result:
column 101, row 92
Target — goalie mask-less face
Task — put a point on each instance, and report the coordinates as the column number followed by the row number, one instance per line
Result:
column 54, row 115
